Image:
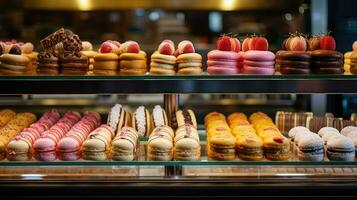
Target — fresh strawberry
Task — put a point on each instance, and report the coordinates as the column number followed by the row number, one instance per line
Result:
column 224, row 43
column 252, row 42
column 235, row 43
column 169, row 41
column 166, row 48
column 278, row 139
column 328, row 43
column 106, row 47
column 176, row 53
column 185, row 47
column 116, row 43
column 297, row 43
column 314, row 43
column 245, row 44
column 260, row 44
column 133, row 47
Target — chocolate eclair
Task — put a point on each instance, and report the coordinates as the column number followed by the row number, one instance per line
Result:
column 186, row 117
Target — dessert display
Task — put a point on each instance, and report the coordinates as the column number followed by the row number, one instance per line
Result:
column 20, row 147
column 69, row 147
column 188, row 62
column 226, row 59
column 294, row 58
column 187, row 145
column 14, row 62
column 249, row 145
column 87, row 50
column 132, row 61
column 275, row 145
column 257, row 60
column 124, row 145
column 142, row 121
column 12, row 128
column 159, row 117
column 220, row 141
column 5, row 116
column 118, row 118
column 45, row 146
column 326, row 60
column 163, row 60
column 97, row 145
column 161, row 144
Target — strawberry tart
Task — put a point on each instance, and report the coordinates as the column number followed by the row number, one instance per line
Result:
column 163, row 60
column 188, row 62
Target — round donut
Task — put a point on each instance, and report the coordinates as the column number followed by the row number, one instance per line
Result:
column 290, row 70
column 258, row 70
column 161, row 71
column 217, row 55
column 259, row 55
column 132, row 56
column 189, row 57
column 221, row 70
column 133, row 64
column 190, row 71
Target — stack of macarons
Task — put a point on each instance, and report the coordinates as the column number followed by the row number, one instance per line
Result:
column 294, row 58
column 97, row 145
column 257, row 60
column 351, row 132
column 226, row 59
column 188, row 62
column 118, row 117
column 14, row 127
column 325, row 59
column 20, row 147
column 107, row 60
column 45, row 146
column 69, row 147
column 87, row 50
column 14, row 62
column 163, row 60
column 132, row 61
column 124, row 145
column 161, row 144
column 187, row 145
column 347, row 58
column 310, row 147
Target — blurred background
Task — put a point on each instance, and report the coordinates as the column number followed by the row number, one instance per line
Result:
column 202, row 21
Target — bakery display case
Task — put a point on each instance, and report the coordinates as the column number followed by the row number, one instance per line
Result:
column 126, row 121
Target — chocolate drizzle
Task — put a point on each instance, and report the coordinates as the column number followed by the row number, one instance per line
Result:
column 187, row 117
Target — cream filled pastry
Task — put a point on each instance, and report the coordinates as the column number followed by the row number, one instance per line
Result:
column 118, row 117
column 124, row 145
column 142, row 122
column 159, row 116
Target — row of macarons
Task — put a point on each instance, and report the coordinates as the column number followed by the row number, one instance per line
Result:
column 338, row 146
column 299, row 55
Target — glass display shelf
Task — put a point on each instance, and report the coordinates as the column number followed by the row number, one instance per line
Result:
column 88, row 84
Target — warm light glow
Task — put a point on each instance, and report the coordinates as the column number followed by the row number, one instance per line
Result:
column 228, row 4
column 32, row 176
column 84, row 4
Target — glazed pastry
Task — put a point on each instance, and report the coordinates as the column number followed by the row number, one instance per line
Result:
column 163, row 60
column 249, row 145
column 97, row 145
column 48, row 60
column 12, row 128
column 5, row 116
column 275, row 145
column 132, row 59
column 118, row 118
column 20, row 147
column 310, row 148
column 142, row 122
column 45, row 146
column 187, row 144
column 159, row 116
column 124, row 145
column 340, row 148
column 14, row 61
column 69, row 147
column 186, row 117
column 189, row 62
column 160, row 144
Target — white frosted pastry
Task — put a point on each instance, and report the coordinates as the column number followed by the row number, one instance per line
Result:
column 300, row 135
column 340, row 148
column 159, row 116
column 345, row 131
column 326, row 130
column 297, row 129
column 311, row 148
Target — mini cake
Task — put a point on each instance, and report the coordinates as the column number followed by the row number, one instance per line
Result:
column 340, row 148
column 310, row 148
column 12, row 128
column 107, row 58
column 221, row 147
column 142, row 122
column 226, row 59
column 69, row 147
column 87, row 50
column 20, row 147
column 189, row 62
column 163, row 60
column 13, row 62
column 45, row 146
column 257, row 59
column 124, row 145
column 48, row 60
column 160, row 144
column 187, row 144
column 27, row 50
column 97, row 145
column 159, row 117
column 132, row 61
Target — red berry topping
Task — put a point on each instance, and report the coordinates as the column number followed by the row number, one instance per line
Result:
column 235, row 44
column 278, row 139
column 260, row 44
column 133, row 47
column 245, row 44
column 177, row 53
column 166, row 48
column 328, row 43
column 224, row 43
column 106, row 48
